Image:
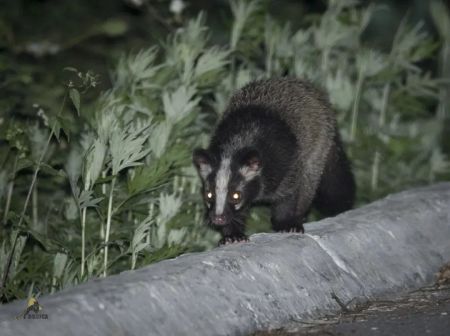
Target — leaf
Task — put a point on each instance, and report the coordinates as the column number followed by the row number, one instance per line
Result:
column 340, row 90
column 110, row 112
column 64, row 124
column 406, row 40
column 73, row 165
column 148, row 177
column 136, row 72
column 86, row 200
column 441, row 18
column 166, row 252
column 20, row 244
column 212, row 59
column 72, row 210
column 332, row 32
column 45, row 168
column 24, row 163
column 75, row 97
column 242, row 11
column 176, row 236
column 113, row 27
column 16, row 135
column 179, row 103
column 38, row 139
column 127, row 148
column 159, row 138
column 141, row 232
column 94, row 163
column 71, row 69
column 3, row 182
column 370, row 62
column 439, row 162
column 48, row 244
column 59, row 263
column 169, row 204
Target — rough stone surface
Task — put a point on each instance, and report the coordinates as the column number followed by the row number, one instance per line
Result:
column 390, row 246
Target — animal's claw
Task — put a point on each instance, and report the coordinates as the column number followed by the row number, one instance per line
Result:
column 232, row 240
column 293, row 230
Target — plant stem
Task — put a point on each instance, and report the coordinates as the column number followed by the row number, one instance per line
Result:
column 359, row 86
column 445, row 73
column 83, row 227
column 233, row 71
column 386, row 93
column 30, row 190
column 381, row 121
column 39, row 163
column 10, row 191
column 325, row 61
column 34, row 202
column 133, row 260
column 269, row 59
column 35, row 214
column 8, row 263
column 83, row 240
column 108, row 225
column 148, row 238
column 102, row 227
column 375, row 170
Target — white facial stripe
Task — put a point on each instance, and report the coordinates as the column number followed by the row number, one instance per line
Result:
column 222, row 179
column 248, row 173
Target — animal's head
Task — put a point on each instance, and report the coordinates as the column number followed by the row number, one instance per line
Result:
column 230, row 184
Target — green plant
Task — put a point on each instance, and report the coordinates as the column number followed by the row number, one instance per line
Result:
column 133, row 195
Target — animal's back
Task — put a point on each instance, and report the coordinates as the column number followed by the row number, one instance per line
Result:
column 298, row 102
column 307, row 112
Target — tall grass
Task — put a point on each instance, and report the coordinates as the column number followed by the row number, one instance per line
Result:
column 116, row 187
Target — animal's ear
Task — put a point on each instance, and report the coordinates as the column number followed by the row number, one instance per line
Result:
column 202, row 161
column 250, row 164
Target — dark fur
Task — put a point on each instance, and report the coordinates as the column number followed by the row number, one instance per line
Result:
column 285, row 129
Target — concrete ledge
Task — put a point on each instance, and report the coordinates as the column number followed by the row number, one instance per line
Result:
column 393, row 245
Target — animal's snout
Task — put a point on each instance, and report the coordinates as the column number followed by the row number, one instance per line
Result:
column 219, row 220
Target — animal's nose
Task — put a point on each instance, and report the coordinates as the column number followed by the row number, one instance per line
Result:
column 219, row 219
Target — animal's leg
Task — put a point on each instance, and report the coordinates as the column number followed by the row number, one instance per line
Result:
column 289, row 214
column 233, row 233
column 336, row 192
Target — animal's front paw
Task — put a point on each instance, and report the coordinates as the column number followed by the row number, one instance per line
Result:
column 293, row 229
column 297, row 229
column 232, row 240
column 288, row 225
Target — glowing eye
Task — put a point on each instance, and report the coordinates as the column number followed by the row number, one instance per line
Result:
column 236, row 196
column 209, row 195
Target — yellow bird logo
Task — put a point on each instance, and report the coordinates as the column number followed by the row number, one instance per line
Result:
column 32, row 306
